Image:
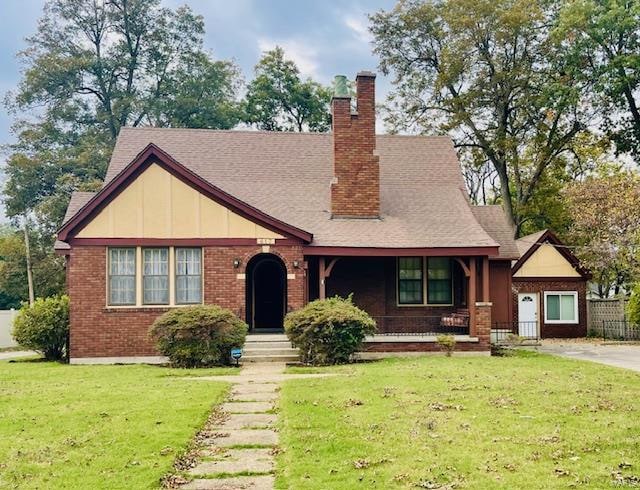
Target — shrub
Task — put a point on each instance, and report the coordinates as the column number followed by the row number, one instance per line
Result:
column 633, row 306
column 447, row 343
column 328, row 331
column 198, row 336
column 44, row 327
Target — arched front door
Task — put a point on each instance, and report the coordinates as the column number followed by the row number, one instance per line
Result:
column 266, row 292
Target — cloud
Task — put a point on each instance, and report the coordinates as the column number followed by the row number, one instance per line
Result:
column 358, row 27
column 301, row 53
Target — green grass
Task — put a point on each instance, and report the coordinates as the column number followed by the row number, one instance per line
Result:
column 81, row 427
column 528, row 421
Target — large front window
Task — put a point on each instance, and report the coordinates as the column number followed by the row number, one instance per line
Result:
column 155, row 276
column 413, row 281
column 410, row 279
column 122, row 276
column 188, row 276
column 561, row 307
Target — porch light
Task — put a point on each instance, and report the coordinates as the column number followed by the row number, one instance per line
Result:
column 296, row 264
column 236, row 263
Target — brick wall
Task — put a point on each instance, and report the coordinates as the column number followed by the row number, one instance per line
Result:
column 524, row 285
column 98, row 331
column 356, row 189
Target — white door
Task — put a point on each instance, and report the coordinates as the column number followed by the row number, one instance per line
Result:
column 528, row 315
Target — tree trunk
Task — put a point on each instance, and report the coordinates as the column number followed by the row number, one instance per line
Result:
column 27, row 251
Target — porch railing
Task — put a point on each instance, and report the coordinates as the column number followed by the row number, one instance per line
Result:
column 418, row 325
column 506, row 332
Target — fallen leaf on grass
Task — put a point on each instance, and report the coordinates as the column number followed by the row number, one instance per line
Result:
column 359, row 464
column 441, row 407
column 351, row 402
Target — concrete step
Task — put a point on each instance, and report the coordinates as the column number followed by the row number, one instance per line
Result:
column 267, row 337
column 268, row 345
column 269, row 352
column 271, row 358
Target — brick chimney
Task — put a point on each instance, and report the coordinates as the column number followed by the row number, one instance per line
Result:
column 355, row 190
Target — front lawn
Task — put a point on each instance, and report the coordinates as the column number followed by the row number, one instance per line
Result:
column 529, row 421
column 95, row 427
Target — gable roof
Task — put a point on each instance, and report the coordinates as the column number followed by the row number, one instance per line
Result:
column 151, row 154
column 527, row 245
column 494, row 220
column 287, row 176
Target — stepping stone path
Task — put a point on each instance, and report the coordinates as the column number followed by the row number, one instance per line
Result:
column 238, row 445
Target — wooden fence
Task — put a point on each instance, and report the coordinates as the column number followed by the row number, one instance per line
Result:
column 6, row 323
column 608, row 319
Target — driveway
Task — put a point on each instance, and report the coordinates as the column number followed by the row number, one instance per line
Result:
column 624, row 356
column 16, row 354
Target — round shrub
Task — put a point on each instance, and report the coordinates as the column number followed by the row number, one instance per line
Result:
column 328, row 331
column 44, row 327
column 198, row 336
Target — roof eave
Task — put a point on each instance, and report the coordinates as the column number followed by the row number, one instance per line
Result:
column 154, row 154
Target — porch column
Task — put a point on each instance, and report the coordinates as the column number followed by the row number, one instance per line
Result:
column 471, row 301
column 485, row 280
column 321, row 275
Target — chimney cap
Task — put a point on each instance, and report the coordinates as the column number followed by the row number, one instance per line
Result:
column 366, row 73
column 340, row 89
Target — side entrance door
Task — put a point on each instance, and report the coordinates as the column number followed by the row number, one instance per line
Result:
column 528, row 315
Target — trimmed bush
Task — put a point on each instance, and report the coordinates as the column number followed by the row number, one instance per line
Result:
column 198, row 336
column 328, row 331
column 44, row 327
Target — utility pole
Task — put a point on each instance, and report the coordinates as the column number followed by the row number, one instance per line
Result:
column 28, row 256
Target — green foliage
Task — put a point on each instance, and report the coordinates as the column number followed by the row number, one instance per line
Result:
column 48, row 269
column 489, row 73
column 198, row 336
column 93, row 67
column 601, row 41
column 447, row 343
column 633, row 306
column 328, row 331
column 605, row 227
column 278, row 100
column 44, row 327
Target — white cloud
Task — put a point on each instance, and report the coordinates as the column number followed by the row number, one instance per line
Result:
column 301, row 53
column 358, row 27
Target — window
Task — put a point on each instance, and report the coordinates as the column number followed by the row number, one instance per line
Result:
column 410, row 280
column 561, row 307
column 155, row 276
column 122, row 276
column 188, row 275
column 439, row 285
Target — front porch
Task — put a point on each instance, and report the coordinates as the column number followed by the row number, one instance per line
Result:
column 412, row 299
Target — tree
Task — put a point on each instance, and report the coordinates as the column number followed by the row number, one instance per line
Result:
column 605, row 214
column 93, row 67
column 489, row 72
column 278, row 100
column 601, row 39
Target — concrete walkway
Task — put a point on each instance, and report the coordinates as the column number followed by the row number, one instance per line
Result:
column 623, row 356
column 238, row 445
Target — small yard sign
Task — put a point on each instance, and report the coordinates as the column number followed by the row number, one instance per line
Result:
column 236, row 354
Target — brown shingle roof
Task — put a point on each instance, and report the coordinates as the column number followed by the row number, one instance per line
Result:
column 78, row 199
column 288, row 176
column 526, row 242
column 494, row 220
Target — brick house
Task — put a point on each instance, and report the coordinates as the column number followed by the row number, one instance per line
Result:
column 263, row 222
column 549, row 289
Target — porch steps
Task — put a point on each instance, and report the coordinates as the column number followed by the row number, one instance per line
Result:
column 269, row 348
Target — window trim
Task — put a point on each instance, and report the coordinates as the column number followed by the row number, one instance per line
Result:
column 167, row 275
column 425, row 284
column 175, row 276
column 138, row 284
column 576, row 319
column 135, row 277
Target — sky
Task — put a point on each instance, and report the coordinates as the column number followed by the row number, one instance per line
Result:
column 324, row 38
